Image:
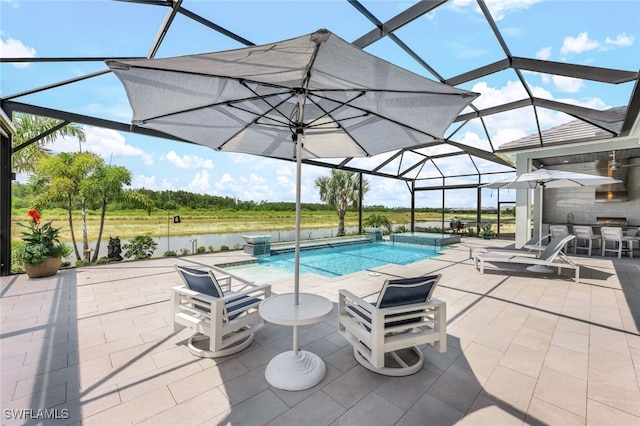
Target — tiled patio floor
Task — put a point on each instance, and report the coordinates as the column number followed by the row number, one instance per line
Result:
column 97, row 345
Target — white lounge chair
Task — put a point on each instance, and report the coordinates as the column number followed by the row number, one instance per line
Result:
column 530, row 247
column 385, row 334
column 552, row 256
column 224, row 321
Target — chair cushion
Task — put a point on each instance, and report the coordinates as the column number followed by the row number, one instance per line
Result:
column 406, row 291
column 246, row 300
column 200, row 281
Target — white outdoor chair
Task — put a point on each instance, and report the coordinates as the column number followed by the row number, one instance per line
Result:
column 385, row 335
column 585, row 235
column 223, row 321
column 620, row 242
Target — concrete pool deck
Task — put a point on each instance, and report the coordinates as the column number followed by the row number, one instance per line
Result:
column 98, row 342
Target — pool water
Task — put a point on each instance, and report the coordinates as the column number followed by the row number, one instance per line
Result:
column 335, row 261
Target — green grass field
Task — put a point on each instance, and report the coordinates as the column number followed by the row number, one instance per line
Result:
column 137, row 222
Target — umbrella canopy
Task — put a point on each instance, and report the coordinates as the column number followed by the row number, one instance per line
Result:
column 248, row 100
column 315, row 96
column 549, row 178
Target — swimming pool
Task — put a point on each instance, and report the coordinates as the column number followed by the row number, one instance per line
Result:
column 334, row 261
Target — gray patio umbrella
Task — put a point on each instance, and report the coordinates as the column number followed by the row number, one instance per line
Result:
column 315, row 96
column 549, row 178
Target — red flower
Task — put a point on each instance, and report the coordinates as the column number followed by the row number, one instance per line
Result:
column 35, row 216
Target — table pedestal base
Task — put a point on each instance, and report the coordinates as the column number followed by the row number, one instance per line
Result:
column 539, row 268
column 288, row 371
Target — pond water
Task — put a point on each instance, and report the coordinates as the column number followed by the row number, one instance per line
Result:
column 192, row 242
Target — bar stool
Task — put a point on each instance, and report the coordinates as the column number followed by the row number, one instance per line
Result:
column 585, row 235
column 559, row 230
column 614, row 234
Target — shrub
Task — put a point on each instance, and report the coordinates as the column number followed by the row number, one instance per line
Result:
column 140, row 247
column 201, row 249
column 224, row 248
column 170, row 253
column 40, row 242
column 81, row 262
column 103, row 260
column 211, row 249
column 185, row 252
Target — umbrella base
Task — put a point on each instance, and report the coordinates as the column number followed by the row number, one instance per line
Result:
column 539, row 268
column 288, row 371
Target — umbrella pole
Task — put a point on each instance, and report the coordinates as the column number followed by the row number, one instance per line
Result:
column 540, row 268
column 296, row 276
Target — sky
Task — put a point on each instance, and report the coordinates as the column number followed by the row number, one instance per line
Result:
column 453, row 39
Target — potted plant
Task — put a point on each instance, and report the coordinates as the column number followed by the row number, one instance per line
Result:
column 41, row 252
column 486, row 232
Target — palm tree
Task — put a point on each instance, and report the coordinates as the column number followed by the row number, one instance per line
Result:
column 63, row 176
column 341, row 190
column 377, row 220
column 31, row 126
column 105, row 186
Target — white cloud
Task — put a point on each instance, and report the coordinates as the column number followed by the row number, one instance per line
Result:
column 578, row 44
column 16, row 49
column 142, row 181
column 387, row 192
column 104, row 142
column 200, row 183
column 499, row 8
column 621, row 40
column 567, row 84
column 544, row 53
column 188, row 161
column 491, row 96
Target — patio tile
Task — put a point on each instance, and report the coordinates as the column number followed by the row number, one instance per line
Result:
column 258, row 410
column 405, row 391
column 523, row 359
column 458, row 387
column 488, row 411
column 533, row 339
column 571, row 340
column 614, row 391
column 567, row 361
column 481, row 359
column 510, row 387
column 544, row 413
column 241, row 388
column 371, row 410
column 353, row 385
column 317, row 409
column 429, row 410
column 197, row 410
column 563, row 390
column 136, row 410
column 600, row 414
column 202, row 381
column 612, row 362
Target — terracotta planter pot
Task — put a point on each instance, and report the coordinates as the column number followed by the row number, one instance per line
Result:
column 47, row 268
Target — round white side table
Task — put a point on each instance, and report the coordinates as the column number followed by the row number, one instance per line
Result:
column 295, row 370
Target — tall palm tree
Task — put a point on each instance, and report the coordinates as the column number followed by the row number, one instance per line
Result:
column 30, row 126
column 63, row 175
column 341, row 190
column 105, row 186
